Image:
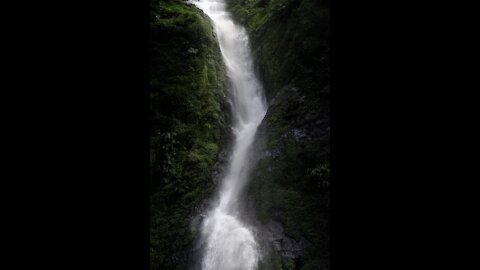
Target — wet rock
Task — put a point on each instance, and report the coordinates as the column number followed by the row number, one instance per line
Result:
column 270, row 153
column 299, row 134
column 275, row 231
column 273, row 234
column 291, row 248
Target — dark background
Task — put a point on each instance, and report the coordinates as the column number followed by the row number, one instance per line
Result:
column 75, row 110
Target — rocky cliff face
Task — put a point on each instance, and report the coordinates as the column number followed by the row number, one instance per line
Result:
column 289, row 189
column 189, row 118
column 288, row 195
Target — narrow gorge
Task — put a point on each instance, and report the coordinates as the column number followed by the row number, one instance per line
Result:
column 240, row 128
column 229, row 242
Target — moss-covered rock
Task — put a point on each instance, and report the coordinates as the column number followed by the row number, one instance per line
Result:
column 290, row 39
column 189, row 118
column 291, row 181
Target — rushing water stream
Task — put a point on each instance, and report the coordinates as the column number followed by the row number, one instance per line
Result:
column 229, row 243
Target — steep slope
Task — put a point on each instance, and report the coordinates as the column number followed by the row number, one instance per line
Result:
column 189, row 117
column 289, row 189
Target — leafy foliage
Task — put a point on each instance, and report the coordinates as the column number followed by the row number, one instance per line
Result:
column 188, row 123
column 188, row 115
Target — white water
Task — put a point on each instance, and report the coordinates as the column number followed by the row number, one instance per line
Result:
column 229, row 243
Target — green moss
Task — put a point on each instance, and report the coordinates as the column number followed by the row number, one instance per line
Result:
column 290, row 39
column 294, row 189
column 188, row 115
column 188, row 89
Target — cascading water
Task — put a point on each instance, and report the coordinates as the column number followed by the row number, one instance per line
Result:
column 229, row 243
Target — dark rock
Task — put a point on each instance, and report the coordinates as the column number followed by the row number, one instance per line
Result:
column 273, row 235
column 299, row 134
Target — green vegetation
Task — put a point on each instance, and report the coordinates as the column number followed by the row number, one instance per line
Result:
column 188, row 116
column 290, row 39
column 294, row 190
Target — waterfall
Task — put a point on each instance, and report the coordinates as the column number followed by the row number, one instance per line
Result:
column 230, row 243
